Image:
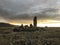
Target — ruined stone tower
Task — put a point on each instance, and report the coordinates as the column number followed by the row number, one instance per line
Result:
column 35, row 21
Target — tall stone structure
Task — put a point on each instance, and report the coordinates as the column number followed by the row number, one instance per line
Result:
column 35, row 21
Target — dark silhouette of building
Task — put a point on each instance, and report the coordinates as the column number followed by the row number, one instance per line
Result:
column 31, row 25
column 21, row 26
column 26, row 26
column 35, row 21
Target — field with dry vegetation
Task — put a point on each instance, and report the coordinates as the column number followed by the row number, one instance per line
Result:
column 46, row 36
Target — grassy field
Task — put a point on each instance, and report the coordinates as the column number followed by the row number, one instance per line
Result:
column 48, row 35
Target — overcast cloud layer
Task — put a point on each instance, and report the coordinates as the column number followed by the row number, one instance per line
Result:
column 20, row 9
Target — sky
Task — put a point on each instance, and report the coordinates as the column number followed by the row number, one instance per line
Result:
column 23, row 11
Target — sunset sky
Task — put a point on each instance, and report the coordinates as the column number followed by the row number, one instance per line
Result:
column 22, row 11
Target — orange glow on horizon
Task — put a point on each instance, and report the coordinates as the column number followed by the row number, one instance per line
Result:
column 42, row 23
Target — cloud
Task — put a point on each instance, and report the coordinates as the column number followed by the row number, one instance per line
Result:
column 26, row 9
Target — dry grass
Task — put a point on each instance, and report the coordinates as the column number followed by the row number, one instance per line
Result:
column 52, row 35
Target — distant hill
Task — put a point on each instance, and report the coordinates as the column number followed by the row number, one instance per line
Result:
column 6, row 25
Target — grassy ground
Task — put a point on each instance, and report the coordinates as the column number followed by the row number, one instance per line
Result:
column 49, row 35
